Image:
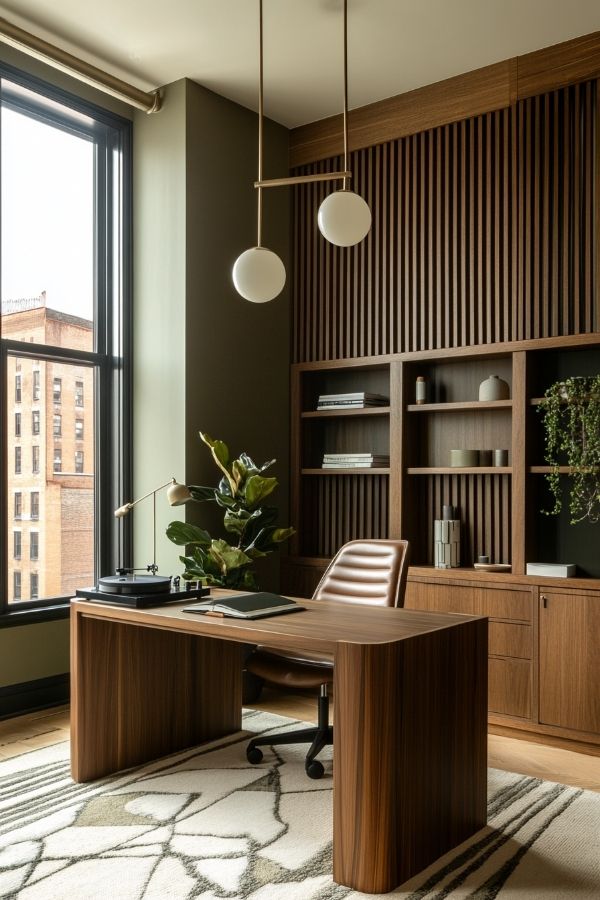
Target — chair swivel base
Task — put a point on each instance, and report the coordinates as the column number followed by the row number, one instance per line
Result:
column 318, row 737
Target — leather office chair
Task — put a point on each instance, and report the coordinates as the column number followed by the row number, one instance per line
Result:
column 372, row 572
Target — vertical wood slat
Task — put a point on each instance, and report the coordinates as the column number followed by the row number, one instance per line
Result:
column 492, row 221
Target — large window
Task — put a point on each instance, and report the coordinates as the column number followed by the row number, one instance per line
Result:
column 65, row 338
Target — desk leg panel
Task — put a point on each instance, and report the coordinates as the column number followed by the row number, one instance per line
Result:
column 410, row 754
column 139, row 693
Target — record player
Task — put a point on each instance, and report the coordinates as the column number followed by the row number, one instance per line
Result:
column 141, row 591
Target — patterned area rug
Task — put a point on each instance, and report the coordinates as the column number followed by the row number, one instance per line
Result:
column 205, row 824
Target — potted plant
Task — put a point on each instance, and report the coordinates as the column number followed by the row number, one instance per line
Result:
column 251, row 527
column 571, row 421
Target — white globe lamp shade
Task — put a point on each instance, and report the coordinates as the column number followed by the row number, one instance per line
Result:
column 344, row 218
column 258, row 275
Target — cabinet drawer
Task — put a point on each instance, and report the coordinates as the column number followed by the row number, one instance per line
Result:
column 509, row 692
column 497, row 603
column 510, row 640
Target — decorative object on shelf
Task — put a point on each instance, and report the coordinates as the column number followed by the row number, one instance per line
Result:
column 239, row 493
column 446, row 537
column 177, row 495
column 483, row 560
column 552, row 570
column 355, row 400
column 500, row 457
column 463, row 459
column 485, row 457
column 344, row 218
column 494, row 388
column 421, row 390
column 571, row 421
column 492, row 567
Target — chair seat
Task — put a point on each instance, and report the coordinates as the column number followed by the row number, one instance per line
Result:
column 301, row 669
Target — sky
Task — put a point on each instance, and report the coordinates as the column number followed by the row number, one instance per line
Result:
column 47, row 215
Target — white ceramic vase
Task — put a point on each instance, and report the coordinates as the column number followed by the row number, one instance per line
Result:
column 494, row 388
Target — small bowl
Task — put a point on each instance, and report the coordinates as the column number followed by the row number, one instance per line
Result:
column 463, row 459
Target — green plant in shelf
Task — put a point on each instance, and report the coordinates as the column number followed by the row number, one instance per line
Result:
column 240, row 493
column 571, row 421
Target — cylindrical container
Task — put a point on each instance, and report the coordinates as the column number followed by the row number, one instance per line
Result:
column 463, row 459
column 494, row 388
column 449, row 512
column 500, row 457
column 485, row 457
column 421, row 390
column 483, row 560
column 446, row 543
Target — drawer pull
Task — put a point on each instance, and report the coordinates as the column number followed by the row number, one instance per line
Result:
column 545, row 599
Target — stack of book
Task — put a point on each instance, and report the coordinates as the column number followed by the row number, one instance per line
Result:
column 358, row 400
column 355, row 461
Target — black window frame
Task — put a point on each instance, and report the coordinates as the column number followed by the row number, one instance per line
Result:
column 111, row 358
column 18, row 460
column 17, row 424
column 18, row 387
column 17, row 544
column 17, row 578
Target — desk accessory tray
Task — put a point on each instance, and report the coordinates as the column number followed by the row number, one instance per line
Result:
column 142, row 601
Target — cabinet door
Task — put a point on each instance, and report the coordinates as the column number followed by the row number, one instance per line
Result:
column 570, row 661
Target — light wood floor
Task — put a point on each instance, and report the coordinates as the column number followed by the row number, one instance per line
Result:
column 41, row 729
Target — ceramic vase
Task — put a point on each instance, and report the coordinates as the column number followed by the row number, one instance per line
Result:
column 494, row 388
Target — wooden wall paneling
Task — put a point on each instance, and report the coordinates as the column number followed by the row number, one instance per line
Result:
column 397, row 449
column 557, row 66
column 295, row 459
column 519, row 471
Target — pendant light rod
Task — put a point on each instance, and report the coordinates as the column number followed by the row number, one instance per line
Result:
column 302, row 179
column 260, row 124
column 345, row 91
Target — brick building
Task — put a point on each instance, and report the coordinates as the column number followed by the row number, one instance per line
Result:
column 50, row 419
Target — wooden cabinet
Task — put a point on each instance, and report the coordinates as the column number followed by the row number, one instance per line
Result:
column 570, row 660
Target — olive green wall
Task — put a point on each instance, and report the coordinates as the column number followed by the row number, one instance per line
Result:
column 30, row 652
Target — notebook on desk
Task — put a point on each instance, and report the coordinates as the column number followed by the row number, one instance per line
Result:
column 246, row 606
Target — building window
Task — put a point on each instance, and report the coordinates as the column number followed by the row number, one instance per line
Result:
column 17, row 460
column 34, row 545
column 16, row 545
column 18, row 504
column 64, row 155
column 18, row 424
column 16, row 585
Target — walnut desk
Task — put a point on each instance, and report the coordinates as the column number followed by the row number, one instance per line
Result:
column 410, row 689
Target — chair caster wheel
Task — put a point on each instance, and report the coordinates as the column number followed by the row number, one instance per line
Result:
column 315, row 769
column 254, row 755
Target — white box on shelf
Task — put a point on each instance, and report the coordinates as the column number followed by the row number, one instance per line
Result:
column 552, row 570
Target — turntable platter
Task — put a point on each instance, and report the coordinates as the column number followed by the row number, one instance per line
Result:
column 134, row 584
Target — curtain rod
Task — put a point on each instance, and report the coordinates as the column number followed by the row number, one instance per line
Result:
column 78, row 68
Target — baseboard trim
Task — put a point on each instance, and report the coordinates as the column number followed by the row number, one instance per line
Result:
column 29, row 696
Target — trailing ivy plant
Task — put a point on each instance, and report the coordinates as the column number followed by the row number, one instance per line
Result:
column 251, row 528
column 571, row 420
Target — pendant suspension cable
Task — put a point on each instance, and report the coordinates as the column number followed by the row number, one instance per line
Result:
column 345, row 91
column 260, row 123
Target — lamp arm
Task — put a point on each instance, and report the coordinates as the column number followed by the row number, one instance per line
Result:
column 149, row 494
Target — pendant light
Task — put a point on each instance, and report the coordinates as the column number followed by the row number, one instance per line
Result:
column 344, row 217
column 259, row 274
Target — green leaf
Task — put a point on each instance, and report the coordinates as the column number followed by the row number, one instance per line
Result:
column 282, row 534
column 182, row 533
column 227, row 557
column 199, row 492
column 257, row 488
column 239, row 472
column 220, row 452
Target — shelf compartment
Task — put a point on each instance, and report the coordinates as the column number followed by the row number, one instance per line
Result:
column 456, row 470
column 360, row 471
column 546, row 470
column 344, row 413
column 459, row 406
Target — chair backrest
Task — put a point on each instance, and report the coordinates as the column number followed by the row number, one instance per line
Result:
column 366, row 572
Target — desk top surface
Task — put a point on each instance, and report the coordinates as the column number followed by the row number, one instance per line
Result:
column 320, row 626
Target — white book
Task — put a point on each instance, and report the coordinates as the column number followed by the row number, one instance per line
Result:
column 552, row 570
column 358, row 395
column 361, row 464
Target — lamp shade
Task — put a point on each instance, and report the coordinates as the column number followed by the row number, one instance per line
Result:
column 258, row 275
column 344, row 218
column 178, row 494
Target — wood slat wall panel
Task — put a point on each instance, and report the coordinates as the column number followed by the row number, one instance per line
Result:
column 484, row 230
column 341, row 508
column 556, row 184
